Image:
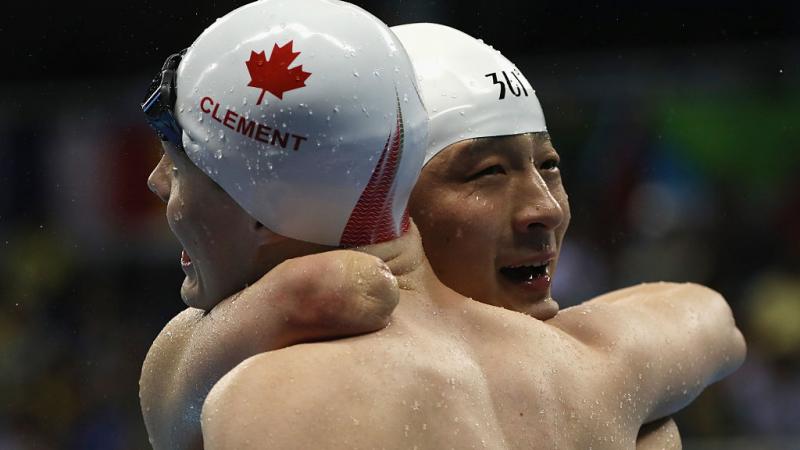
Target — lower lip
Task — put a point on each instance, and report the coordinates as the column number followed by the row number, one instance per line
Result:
column 540, row 284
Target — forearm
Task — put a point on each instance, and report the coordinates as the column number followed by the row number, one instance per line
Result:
column 684, row 338
column 665, row 342
column 312, row 298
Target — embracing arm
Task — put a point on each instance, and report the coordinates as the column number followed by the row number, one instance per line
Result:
column 316, row 297
column 664, row 342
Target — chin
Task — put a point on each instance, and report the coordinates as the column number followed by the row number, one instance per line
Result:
column 542, row 309
column 192, row 295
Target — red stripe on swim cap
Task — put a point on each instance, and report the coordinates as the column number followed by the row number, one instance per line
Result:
column 371, row 220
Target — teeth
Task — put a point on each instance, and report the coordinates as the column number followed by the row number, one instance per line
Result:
column 528, row 265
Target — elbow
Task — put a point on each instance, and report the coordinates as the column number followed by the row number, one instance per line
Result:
column 723, row 334
column 738, row 349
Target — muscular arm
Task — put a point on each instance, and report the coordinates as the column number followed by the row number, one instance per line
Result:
column 317, row 297
column 664, row 343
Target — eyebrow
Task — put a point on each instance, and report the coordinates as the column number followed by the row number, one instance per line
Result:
column 478, row 146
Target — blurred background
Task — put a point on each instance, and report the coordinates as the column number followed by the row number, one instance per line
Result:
column 678, row 124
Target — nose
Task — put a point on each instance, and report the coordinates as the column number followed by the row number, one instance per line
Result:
column 536, row 206
column 158, row 182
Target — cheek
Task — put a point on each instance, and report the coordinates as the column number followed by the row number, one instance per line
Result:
column 458, row 236
column 563, row 201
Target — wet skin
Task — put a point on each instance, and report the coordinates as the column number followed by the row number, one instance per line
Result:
column 317, row 297
column 214, row 343
column 454, row 373
column 492, row 213
column 216, row 234
column 484, row 204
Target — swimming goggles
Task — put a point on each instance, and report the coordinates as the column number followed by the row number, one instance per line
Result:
column 159, row 103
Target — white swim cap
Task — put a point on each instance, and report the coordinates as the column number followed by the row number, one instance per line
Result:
column 468, row 87
column 307, row 114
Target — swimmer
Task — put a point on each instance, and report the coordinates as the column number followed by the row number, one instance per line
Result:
column 244, row 196
column 450, row 372
column 490, row 192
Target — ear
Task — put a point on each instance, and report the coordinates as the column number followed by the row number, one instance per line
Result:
column 265, row 236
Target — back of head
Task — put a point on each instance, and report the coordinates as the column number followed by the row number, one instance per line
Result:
column 470, row 89
column 307, row 114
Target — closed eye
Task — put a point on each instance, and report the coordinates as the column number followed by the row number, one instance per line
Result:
column 550, row 164
column 491, row 170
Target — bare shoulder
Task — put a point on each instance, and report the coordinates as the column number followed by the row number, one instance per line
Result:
column 396, row 385
column 171, row 341
column 305, row 396
column 159, row 388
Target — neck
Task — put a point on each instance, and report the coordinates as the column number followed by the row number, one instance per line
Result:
column 405, row 258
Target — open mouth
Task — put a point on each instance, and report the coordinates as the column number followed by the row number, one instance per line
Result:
column 186, row 261
column 527, row 273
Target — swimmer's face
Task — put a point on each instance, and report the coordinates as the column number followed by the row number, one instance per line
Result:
column 216, row 234
column 224, row 248
column 492, row 213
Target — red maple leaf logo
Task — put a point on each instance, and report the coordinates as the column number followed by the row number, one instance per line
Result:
column 273, row 74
